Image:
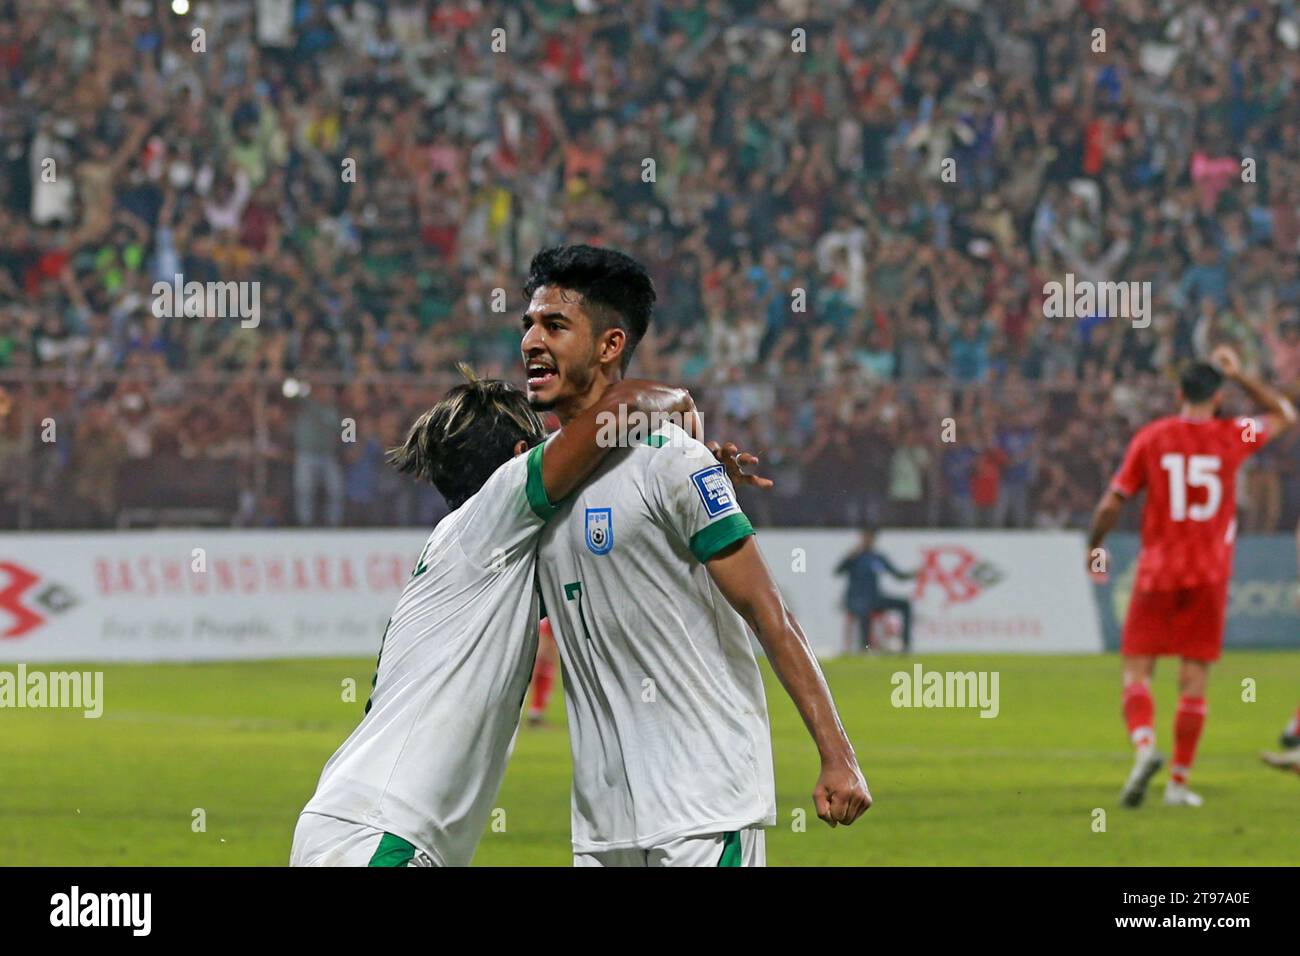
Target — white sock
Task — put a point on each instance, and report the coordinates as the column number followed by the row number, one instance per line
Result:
column 1144, row 739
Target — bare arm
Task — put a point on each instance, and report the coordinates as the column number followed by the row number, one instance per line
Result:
column 580, row 446
column 1279, row 413
column 841, row 794
column 1103, row 520
column 130, row 145
column 1104, row 517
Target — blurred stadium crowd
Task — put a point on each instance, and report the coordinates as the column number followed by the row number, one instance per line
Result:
column 774, row 171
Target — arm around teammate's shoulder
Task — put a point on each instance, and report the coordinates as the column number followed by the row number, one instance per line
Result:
column 575, row 451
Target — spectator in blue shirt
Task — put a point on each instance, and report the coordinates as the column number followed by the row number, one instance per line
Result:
column 1207, row 277
column 969, row 353
column 958, row 466
column 1017, row 439
column 361, row 482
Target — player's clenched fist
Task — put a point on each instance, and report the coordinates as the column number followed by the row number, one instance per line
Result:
column 1227, row 360
column 1098, row 561
column 841, row 794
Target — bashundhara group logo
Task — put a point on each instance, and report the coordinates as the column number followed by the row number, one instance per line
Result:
column 27, row 600
column 959, row 573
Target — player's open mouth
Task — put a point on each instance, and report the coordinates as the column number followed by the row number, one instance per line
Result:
column 540, row 375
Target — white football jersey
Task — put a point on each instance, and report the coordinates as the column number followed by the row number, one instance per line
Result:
column 427, row 759
column 667, row 714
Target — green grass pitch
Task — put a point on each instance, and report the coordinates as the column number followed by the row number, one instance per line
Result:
column 245, row 743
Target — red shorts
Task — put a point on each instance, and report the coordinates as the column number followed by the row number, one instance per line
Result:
column 1186, row 622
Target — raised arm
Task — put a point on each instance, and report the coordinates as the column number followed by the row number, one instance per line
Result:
column 741, row 574
column 1279, row 413
column 579, row 446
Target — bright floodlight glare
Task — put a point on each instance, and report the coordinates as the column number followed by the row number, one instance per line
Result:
column 180, row 7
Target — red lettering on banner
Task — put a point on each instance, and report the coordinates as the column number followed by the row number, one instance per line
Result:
column 275, row 574
column 249, row 573
column 22, row 618
column 147, row 581
column 103, row 577
column 224, row 573
column 982, row 627
column 248, row 576
column 947, row 568
column 172, row 574
column 384, row 572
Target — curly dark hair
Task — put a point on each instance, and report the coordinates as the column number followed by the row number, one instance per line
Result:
column 616, row 289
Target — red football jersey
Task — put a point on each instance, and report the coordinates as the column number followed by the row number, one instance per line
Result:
column 1189, row 469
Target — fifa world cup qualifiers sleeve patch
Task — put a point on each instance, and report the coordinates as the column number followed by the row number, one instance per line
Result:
column 727, row 524
column 714, row 490
column 712, row 538
column 535, row 489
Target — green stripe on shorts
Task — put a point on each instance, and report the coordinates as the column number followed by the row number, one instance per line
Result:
column 393, row 851
column 730, row 849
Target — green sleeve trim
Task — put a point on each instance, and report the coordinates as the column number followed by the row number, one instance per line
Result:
column 656, row 441
column 711, row 539
column 535, row 489
column 392, row 851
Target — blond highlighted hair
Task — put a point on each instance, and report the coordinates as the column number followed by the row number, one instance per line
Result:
column 470, row 433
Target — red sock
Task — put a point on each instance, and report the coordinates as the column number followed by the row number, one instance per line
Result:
column 1188, row 721
column 1140, row 713
column 543, row 679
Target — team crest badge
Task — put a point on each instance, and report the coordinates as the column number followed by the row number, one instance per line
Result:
column 600, row 530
